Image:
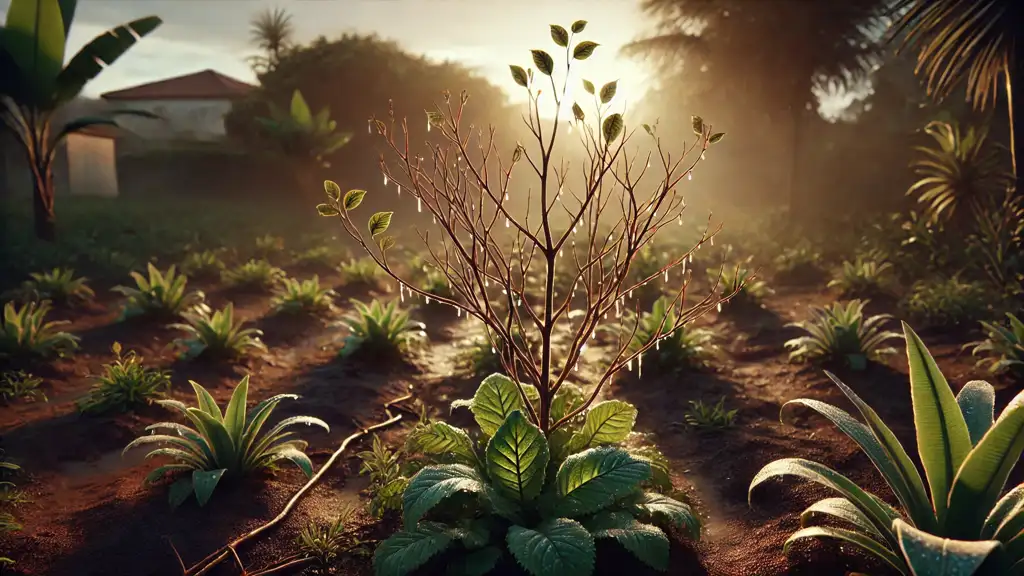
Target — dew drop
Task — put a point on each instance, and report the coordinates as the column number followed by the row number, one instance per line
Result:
column 680, row 220
column 493, row 351
column 434, row 218
column 639, row 366
column 629, row 365
column 399, row 189
column 719, row 306
column 506, row 196
column 689, row 175
column 702, row 156
column 385, row 180
column 419, row 204
column 369, row 130
column 427, row 299
column 657, row 344
column 507, row 223
column 666, row 275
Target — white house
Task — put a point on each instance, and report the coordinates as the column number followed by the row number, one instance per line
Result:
column 191, row 107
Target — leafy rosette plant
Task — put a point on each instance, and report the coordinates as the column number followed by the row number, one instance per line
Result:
column 962, row 523
column 508, row 493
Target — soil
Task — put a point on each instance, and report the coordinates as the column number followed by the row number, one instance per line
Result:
column 91, row 515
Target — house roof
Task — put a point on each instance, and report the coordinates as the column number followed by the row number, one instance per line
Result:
column 204, row 85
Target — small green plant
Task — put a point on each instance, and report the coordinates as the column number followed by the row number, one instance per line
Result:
column 436, row 283
column 949, row 302
column 798, row 263
column 518, row 495
column 205, row 264
column 20, row 385
column 8, row 523
column 862, row 277
column 1003, row 347
column 324, row 544
column 217, row 333
column 223, row 444
column 747, row 289
column 483, row 357
column 125, row 384
column 839, row 331
column 26, row 332
column 388, row 477
column 158, row 293
column 687, row 347
column 59, row 285
column 296, row 295
column 967, row 454
column 324, row 256
column 254, row 274
column 700, row 415
column 648, row 263
column 361, row 271
column 377, row 328
column 268, row 246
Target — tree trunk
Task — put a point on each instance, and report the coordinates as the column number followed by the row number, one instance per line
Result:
column 1015, row 106
column 42, row 204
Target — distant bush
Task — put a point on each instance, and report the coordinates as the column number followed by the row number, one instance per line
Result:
column 59, row 285
column 254, row 274
column 949, row 302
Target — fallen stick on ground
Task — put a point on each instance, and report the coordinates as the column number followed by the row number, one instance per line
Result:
column 215, row 558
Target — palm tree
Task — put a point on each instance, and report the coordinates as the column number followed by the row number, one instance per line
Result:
column 272, row 33
column 35, row 83
column 976, row 43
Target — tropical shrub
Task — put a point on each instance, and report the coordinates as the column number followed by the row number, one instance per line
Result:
column 202, row 264
column 59, row 285
column 840, row 332
column 506, row 493
column 25, row 331
column 20, row 385
column 360, row 271
column 222, row 445
column 687, row 347
column 716, row 416
column 216, row 333
column 1003, row 347
column 254, row 274
column 864, row 276
column 158, row 293
column 296, row 295
column 739, row 280
column 125, row 384
column 967, row 456
column 377, row 328
column 948, row 302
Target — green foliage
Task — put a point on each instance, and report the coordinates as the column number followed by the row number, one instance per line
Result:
column 223, row 444
column 388, row 477
column 360, row 271
column 20, row 385
column 296, row 295
column 647, row 263
column 1003, row 347
column 124, row 385
column 949, row 302
column 206, row 263
column 324, row 544
column 798, row 263
column 749, row 289
column 865, row 276
column 254, row 274
column 377, row 328
column 8, row 523
column 508, row 492
column 967, row 454
column 700, row 415
column 483, row 357
column 158, row 293
column 210, row 333
column 59, row 285
column 685, row 348
column 436, row 283
column 324, row 256
column 840, row 332
column 268, row 246
column 300, row 133
column 25, row 331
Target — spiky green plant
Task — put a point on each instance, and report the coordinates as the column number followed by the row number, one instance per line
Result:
column 222, row 444
column 967, row 455
column 839, row 331
column 25, row 331
column 388, row 477
column 125, row 384
column 296, row 295
column 507, row 493
column 158, row 293
column 740, row 280
column 360, row 271
column 798, row 263
column 217, row 333
column 59, row 285
column 377, row 328
column 948, row 302
column 20, row 385
column 716, row 416
column 325, row 543
column 864, row 276
column 254, row 274
column 202, row 264
column 268, row 246
column 687, row 347
column 1003, row 347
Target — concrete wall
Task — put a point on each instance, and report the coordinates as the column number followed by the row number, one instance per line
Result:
column 180, row 119
column 91, row 165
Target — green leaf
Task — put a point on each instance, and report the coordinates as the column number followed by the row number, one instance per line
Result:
column 578, row 26
column 555, row 547
column 407, row 550
column 327, row 210
column 697, row 123
column 607, row 422
column 716, row 138
column 588, row 86
column 612, row 128
column 977, row 403
column 34, row 36
column 584, row 50
column 299, row 110
column 437, row 438
column 577, row 112
column 386, row 243
column 476, row 563
column 930, row 555
column 333, row 191
column 517, row 457
column 648, row 543
column 180, row 490
column 856, row 539
column 100, row 52
column 494, row 400
column 204, row 482
column 594, row 479
column 942, row 437
column 379, row 223
column 353, row 198
column 543, row 61
column 519, row 75
column 559, row 35
column 568, row 398
column 670, row 513
column 608, row 91
column 433, row 484
column 841, row 509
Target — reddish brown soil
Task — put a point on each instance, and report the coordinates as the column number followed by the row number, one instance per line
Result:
column 90, row 514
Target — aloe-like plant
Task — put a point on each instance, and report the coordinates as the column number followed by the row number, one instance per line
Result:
column 216, row 333
column 506, row 493
column 254, row 274
column 377, row 328
column 715, row 416
column 59, row 285
column 202, row 264
column 864, row 276
column 222, row 445
column 360, row 271
column 962, row 516
column 125, row 384
column 687, row 347
column 1003, row 347
column 308, row 295
column 746, row 288
column 158, row 293
column 24, row 331
column 839, row 331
